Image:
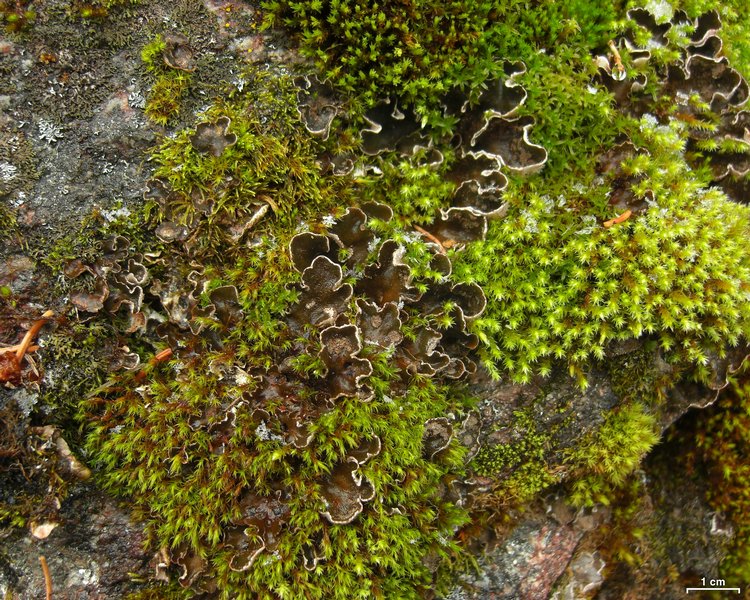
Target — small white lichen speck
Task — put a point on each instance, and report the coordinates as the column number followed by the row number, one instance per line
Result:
column 591, row 225
column 49, row 132
column 7, row 171
column 242, row 378
column 661, row 9
column 25, row 401
column 113, row 215
column 265, row 434
column 648, row 121
column 136, row 100
column 531, row 225
column 412, row 237
column 329, row 220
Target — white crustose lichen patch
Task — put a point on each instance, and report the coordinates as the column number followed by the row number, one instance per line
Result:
column 7, row 171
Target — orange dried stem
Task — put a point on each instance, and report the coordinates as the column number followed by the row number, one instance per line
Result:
column 616, row 55
column 31, row 334
column 47, row 577
column 165, row 354
column 15, row 347
column 619, row 219
column 431, row 237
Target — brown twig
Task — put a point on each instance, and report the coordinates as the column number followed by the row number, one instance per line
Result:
column 47, row 577
column 431, row 237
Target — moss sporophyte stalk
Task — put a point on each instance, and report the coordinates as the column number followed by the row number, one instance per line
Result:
column 327, row 260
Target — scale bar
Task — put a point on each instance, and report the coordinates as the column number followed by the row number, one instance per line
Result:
column 688, row 590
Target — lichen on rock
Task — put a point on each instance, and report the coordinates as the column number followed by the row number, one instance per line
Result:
column 281, row 354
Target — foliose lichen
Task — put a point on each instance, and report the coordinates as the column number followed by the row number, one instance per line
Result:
column 311, row 455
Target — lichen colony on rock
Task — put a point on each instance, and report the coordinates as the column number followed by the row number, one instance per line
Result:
column 300, row 437
column 356, row 316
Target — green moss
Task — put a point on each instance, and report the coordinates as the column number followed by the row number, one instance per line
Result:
column 574, row 124
column 84, row 242
column 417, row 50
column 17, row 15
column 562, row 286
column 8, row 223
column 76, row 358
column 273, row 162
column 717, row 444
column 735, row 24
column 13, row 516
column 33, row 481
column 97, row 9
column 161, row 592
column 380, row 49
column 630, row 538
column 415, row 192
column 152, row 54
column 188, row 499
column 187, row 493
column 603, row 460
column 641, row 375
column 164, row 100
column 522, row 466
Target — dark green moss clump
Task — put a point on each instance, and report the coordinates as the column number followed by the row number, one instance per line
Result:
column 169, row 87
column 603, row 461
column 399, row 49
column 716, row 445
column 642, row 375
column 417, row 50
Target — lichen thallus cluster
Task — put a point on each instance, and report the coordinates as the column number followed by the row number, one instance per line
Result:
column 294, row 438
column 266, row 478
